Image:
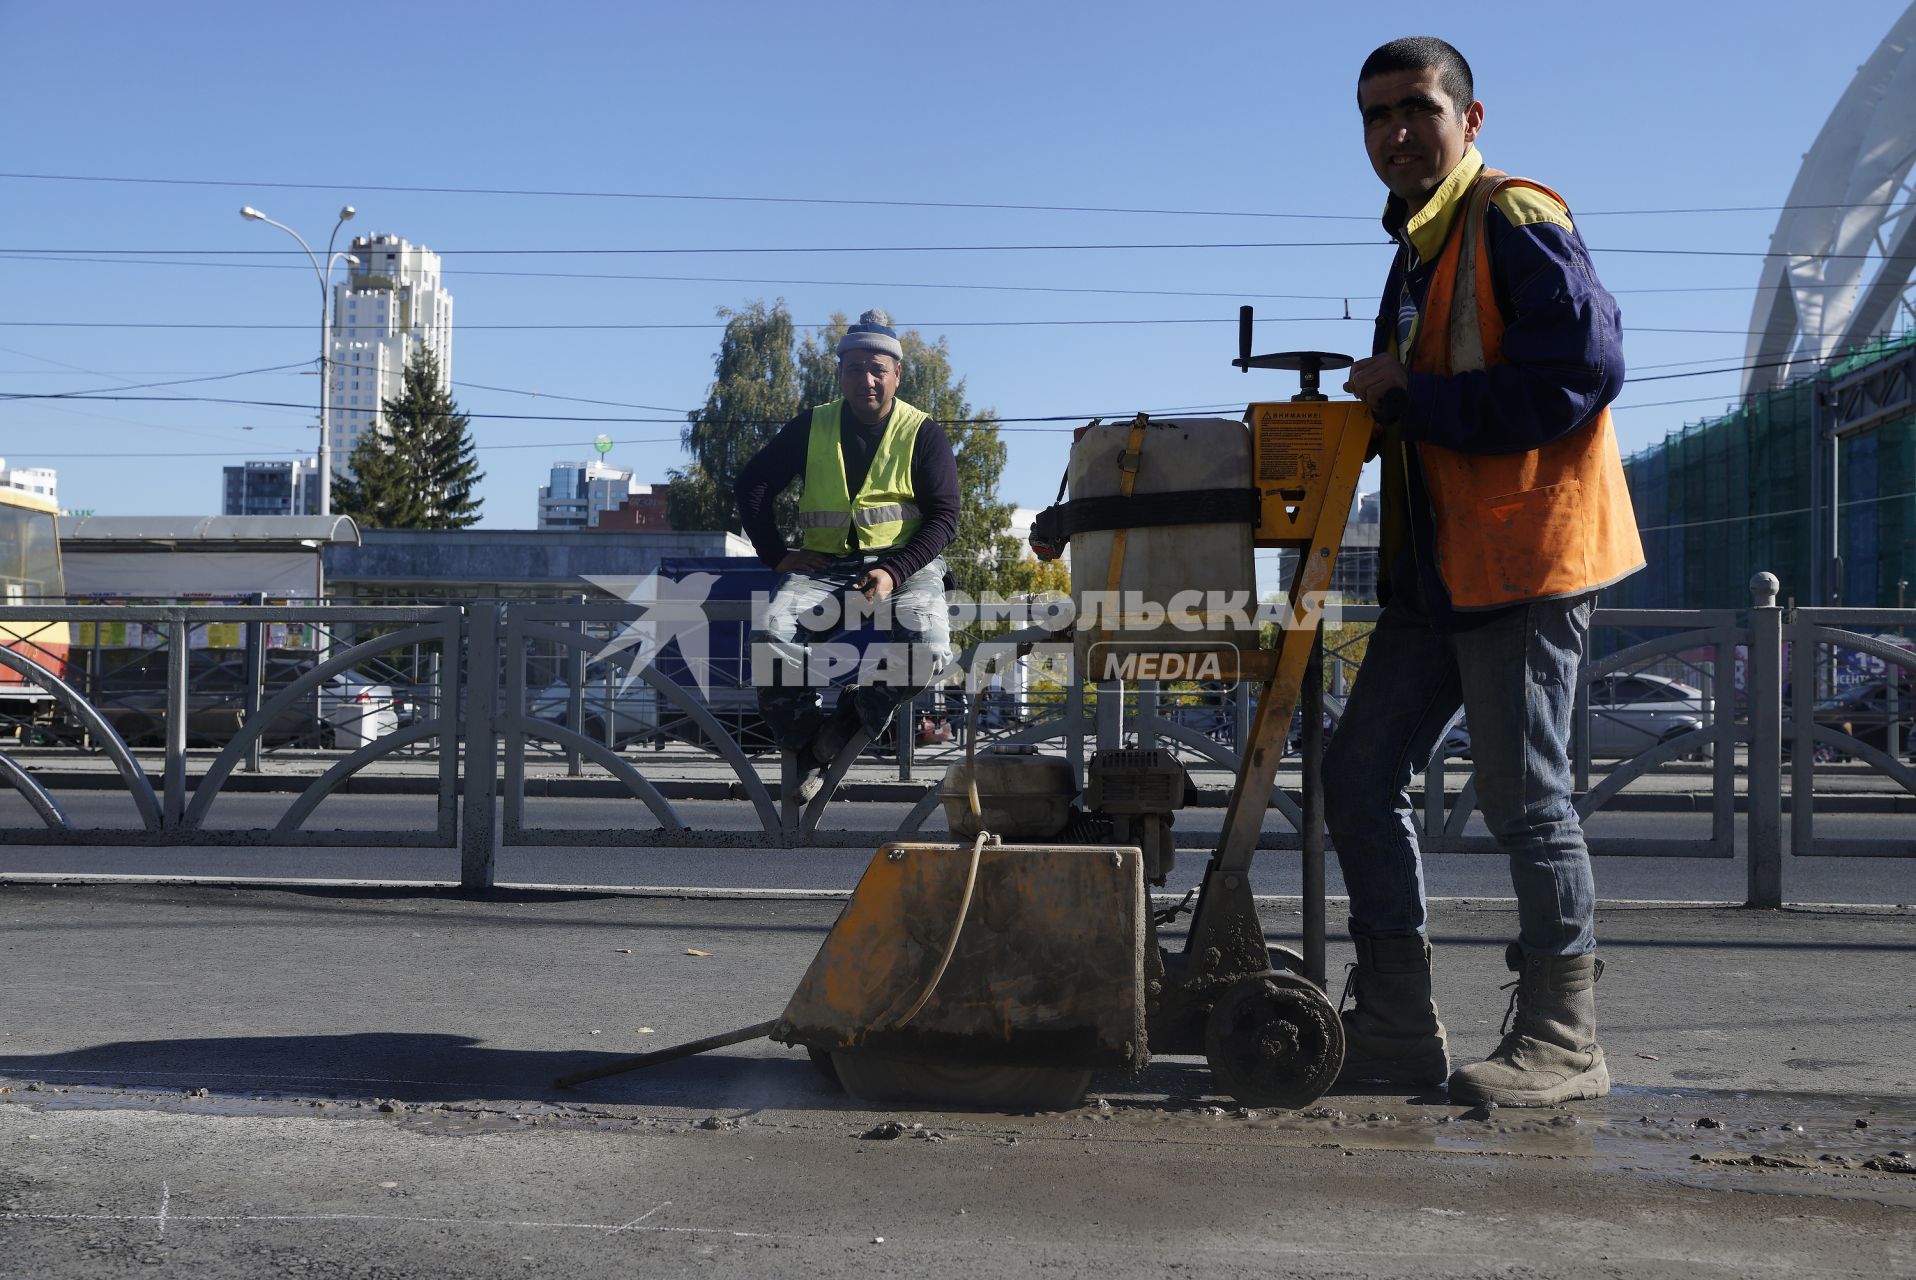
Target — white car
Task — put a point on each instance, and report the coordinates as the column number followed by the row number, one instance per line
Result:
column 1630, row 712
column 629, row 711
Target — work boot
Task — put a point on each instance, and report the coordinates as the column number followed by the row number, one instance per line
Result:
column 1549, row 1052
column 1393, row 1035
column 839, row 728
column 809, row 779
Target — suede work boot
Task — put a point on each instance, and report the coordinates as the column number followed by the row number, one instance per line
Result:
column 1393, row 1035
column 1549, row 1052
column 839, row 728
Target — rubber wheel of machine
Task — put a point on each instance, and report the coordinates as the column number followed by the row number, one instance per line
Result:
column 967, row 1086
column 821, row 1060
column 1274, row 1040
column 1285, row 960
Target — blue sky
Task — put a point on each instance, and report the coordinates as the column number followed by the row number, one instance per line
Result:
column 1244, row 109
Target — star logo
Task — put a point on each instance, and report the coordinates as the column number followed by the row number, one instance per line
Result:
column 674, row 610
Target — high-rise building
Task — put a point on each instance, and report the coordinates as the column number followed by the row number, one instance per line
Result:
column 578, row 493
column 272, row 489
column 391, row 302
column 1354, row 576
column 40, row 480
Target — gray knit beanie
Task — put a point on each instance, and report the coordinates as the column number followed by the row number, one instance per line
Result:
column 873, row 332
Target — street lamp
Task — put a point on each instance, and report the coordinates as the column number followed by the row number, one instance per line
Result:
column 325, row 297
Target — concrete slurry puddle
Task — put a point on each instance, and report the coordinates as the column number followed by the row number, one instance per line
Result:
column 1817, row 1144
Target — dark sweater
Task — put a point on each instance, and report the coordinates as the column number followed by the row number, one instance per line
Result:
column 1563, row 362
column 934, row 480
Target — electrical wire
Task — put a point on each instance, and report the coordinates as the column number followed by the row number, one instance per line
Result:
column 1774, row 515
column 139, row 386
column 865, row 203
column 710, row 326
column 1364, row 292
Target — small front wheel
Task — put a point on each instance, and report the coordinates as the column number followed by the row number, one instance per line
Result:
column 1274, row 1040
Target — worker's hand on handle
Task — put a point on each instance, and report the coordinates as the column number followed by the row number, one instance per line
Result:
column 803, row 562
column 1374, row 377
column 876, row 584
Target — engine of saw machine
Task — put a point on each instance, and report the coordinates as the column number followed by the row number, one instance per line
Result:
column 1138, row 791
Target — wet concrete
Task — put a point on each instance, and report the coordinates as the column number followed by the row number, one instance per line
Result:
column 271, row 1082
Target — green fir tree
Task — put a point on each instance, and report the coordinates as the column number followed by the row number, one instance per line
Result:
column 417, row 468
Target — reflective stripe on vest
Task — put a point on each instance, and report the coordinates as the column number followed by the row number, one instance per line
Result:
column 1552, row 522
column 885, row 512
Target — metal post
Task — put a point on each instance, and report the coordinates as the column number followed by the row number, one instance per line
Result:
column 1580, row 725
column 1074, row 723
column 575, row 700
column 1311, row 699
column 480, row 827
column 1241, row 716
column 325, row 454
column 1765, row 690
column 1147, row 712
column 905, row 724
column 178, row 648
column 1110, row 715
column 255, row 680
column 789, row 809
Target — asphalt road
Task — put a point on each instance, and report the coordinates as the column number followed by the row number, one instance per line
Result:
column 1880, row 880
column 209, row 1082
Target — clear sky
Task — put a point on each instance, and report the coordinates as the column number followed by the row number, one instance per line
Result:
column 1243, row 113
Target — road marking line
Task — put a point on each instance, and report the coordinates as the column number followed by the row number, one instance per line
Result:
column 607, row 1227
column 642, row 1217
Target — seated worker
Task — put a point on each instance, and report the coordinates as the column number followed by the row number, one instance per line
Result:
column 879, row 502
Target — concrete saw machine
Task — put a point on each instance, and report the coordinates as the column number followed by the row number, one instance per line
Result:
column 1000, row 970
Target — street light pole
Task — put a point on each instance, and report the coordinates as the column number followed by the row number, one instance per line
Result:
column 346, row 213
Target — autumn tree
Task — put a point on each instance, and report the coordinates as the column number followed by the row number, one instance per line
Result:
column 755, row 392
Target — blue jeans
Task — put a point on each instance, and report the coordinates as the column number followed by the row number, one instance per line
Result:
column 1516, row 678
column 793, row 657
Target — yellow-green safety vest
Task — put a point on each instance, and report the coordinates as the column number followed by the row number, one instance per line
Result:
column 885, row 513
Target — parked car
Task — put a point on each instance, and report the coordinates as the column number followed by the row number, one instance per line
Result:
column 352, row 711
column 1629, row 714
column 630, row 711
column 1864, row 713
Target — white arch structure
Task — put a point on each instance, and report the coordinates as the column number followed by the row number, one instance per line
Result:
column 1852, row 210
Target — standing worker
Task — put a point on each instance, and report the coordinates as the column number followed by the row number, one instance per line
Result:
column 1504, row 511
column 879, row 503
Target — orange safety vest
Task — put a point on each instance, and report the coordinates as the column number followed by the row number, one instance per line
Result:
column 1552, row 522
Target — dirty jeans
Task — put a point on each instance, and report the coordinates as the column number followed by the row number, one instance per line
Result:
column 1516, row 678
column 793, row 657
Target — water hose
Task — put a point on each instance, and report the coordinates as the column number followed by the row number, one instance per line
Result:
column 977, row 850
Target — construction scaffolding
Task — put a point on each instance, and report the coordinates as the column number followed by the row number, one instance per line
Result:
column 1721, row 500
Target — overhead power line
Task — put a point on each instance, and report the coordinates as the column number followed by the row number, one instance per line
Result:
column 651, row 250
column 679, row 417
column 709, row 326
column 1366, row 292
column 706, row 197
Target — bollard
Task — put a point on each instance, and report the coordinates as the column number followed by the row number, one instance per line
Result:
column 1765, row 690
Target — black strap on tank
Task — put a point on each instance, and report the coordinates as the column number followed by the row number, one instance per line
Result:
column 1056, row 524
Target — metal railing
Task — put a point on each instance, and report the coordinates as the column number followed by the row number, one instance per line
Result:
column 507, row 682
column 180, row 807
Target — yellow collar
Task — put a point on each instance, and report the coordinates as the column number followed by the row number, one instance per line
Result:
column 1427, row 229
